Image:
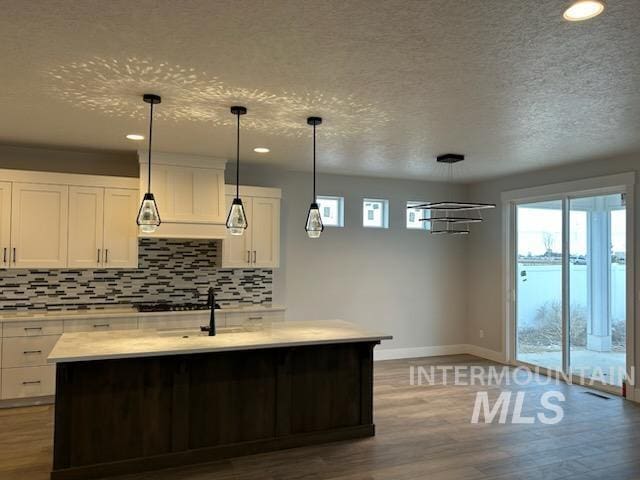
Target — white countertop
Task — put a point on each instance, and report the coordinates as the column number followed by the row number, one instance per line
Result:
column 75, row 347
column 120, row 312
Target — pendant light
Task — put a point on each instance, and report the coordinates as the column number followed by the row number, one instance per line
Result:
column 314, row 226
column 448, row 218
column 148, row 217
column 237, row 219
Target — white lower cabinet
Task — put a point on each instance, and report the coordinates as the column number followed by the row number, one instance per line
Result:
column 24, row 382
column 100, row 324
column 27, row 351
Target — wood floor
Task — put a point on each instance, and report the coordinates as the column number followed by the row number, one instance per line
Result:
column 423, row 432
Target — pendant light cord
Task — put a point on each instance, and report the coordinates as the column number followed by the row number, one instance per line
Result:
column 314, row 163
column 238, row 158
column 149, row 152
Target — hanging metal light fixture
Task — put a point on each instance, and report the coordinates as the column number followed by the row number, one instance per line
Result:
column 314, row 226
column 148, row 216
column 237, row 218
column 444, row 217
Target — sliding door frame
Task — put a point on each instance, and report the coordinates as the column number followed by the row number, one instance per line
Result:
column 613, row 184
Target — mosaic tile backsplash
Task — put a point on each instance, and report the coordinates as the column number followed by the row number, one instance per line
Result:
column 171, row 271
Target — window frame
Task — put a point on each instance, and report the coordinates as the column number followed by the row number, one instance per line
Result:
column 340, row 209
column 385, row 213
column 426, row 226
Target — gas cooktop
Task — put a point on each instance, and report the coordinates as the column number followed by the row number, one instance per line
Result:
column 171, row 307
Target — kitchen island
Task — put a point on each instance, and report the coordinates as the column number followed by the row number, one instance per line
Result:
column 142, row 400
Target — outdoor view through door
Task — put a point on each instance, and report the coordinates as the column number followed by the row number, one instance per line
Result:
column 594, row 289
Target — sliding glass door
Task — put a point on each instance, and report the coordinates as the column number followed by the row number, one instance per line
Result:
column 539, row 284
column 570, row 269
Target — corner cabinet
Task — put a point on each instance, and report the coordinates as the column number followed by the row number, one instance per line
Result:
column 56, row 220
column 259, row 247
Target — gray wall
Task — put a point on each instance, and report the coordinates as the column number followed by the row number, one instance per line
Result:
column 404, row 282
column 95, row 162
column 486, row 254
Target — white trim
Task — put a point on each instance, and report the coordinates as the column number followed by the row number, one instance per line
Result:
column 72, row 179
column 181, row 160
column 619, row 183
column 248, row 191
column 437, row 351
column 587, row 186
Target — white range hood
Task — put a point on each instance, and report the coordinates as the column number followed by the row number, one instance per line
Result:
column 189, row 191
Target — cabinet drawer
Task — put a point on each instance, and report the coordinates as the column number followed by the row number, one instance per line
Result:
column 28, row 382
column 27, row 351
column 178, row 322
column 28, row 329
column 100, row 325
column 246, row 318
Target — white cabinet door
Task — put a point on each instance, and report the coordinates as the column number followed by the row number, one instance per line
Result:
column 120, row 229
column 265, row 232
column 236, row 249
column 187, row 194
column 86, row 212
column 5, row 224
column 39, row 216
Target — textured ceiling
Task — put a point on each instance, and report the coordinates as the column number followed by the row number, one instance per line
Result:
column 508, row 83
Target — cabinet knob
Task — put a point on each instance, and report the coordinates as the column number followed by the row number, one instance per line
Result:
column 98, row 261
column 106, row 255
column 14, row 254
column 248, row 256
column 4, row 256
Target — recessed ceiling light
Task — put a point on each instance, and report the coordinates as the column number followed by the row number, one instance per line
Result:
column 135, row 136
column 261, row 150
column 583, row 10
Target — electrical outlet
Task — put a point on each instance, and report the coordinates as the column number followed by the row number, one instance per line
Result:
column 481, row 333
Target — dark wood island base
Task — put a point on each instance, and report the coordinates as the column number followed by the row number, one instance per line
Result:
column 129, row 415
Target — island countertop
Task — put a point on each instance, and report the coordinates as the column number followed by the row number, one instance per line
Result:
column 79, row 347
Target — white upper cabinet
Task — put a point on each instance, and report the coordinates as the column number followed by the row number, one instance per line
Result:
column 189, row 191
column 39, row 214
column 265, row 232
column 120, row 228
column 102, row 227
column 86, row 220
column 259, row 247
column 58, row 220
column 5, row 224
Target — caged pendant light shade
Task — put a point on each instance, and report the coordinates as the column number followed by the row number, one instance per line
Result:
column 237, row 218
column 314, row 226
column 148, row 216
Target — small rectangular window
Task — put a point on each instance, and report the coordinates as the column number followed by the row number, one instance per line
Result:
column 331, row 210
column 415, row 216
column 375, row 213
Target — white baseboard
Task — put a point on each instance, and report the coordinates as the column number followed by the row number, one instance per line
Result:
column 487, row 353
column 436, row 351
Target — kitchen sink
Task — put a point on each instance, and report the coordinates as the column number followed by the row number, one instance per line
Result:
column 197, row 333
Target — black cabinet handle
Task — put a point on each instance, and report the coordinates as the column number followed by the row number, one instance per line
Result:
column 106, row 255
column 98, row 261
column 101, row 325
column 26, row 329
column 27, row 352
column 4, row 255
column 34, row 382
column 14, row 254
